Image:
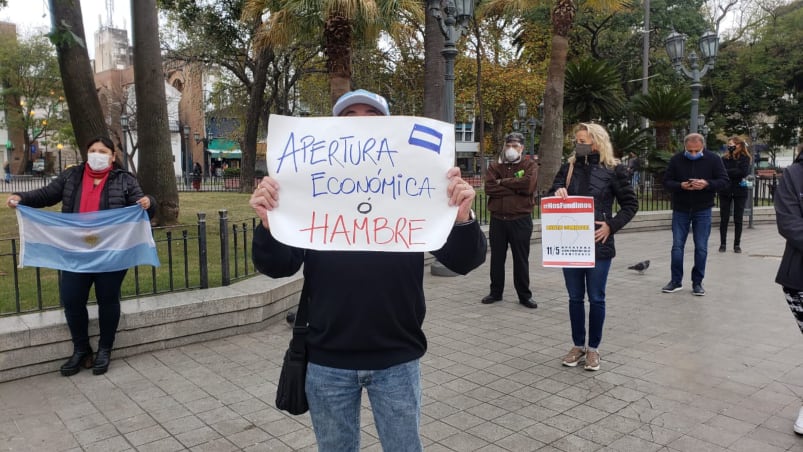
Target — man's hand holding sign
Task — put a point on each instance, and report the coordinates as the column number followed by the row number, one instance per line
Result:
column 382, row 185
column 385, row 188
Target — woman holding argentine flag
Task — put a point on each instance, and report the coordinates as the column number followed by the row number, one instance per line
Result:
column 96, row 185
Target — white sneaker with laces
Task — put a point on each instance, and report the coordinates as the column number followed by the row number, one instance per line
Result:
column 799, row 422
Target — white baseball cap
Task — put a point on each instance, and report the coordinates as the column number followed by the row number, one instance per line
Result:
column 361, row 96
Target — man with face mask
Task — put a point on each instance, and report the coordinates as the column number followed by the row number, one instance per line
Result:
column 693, row 177
column 510, row 185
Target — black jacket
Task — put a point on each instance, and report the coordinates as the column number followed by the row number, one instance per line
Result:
column 681, row 169
column 366, row 308
column 120, row 190
column 789, row 216
column 589, row 178
column 737, row 169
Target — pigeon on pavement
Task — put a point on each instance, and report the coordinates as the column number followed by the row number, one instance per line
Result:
column 640, row 267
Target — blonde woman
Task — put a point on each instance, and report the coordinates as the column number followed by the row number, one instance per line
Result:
column 737, row 163
column 592, row 170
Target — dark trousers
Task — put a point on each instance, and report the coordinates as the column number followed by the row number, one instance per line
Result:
column 725, row 201
column 516, row 234
column 74, row 292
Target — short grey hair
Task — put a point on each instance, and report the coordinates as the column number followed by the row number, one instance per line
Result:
column 694, row 137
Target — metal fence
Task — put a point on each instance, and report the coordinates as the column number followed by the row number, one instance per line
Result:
column 207, row 183
column 193, row 259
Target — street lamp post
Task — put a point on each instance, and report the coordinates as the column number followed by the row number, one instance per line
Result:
column 124, row 126
column 188, row 156
column 752, row 180
column 528, row 124
column 60, row 147
column 709, row 45
column 453, row 16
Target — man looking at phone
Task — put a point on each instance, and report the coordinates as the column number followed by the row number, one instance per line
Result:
column 693, row 177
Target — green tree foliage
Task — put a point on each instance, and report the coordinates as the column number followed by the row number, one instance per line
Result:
column 593, row 92
column 255, row 80
column 758, row 81
column 339, row 25
column 663, row 105
column 29, row 75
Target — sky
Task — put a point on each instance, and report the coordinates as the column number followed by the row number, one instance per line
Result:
column 35, row 14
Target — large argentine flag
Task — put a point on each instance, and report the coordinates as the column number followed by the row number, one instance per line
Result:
column 102, row 241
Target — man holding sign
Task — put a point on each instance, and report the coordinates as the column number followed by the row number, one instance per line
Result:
column 363, row 266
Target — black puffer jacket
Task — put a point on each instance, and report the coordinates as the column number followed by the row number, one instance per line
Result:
column 589, row 178
column 789, row 216
column 120, row 190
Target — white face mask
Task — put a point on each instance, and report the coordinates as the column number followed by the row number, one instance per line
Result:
column 98, row 161
column 511, row 154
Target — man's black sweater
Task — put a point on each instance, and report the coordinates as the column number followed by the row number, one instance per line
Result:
column 366, row 308
column 681, row 169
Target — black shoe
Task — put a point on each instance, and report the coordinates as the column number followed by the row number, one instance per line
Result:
column 722, row 248
column 102, row 360
column 491, row 299
column 530, row 303
column 697, row 289
column 737, row 249
column 79, row 358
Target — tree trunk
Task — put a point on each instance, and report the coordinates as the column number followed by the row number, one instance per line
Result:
column 434, row 66
column 156, row 173
column 337, row 48
column 67, row 34
column 551, row 149
column 479, row 123
column 255, row 104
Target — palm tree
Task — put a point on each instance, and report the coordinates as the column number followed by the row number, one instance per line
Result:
column 338, row 23
column 86, row 115
column 593, row 91
column 663, row 106
column 156, row 164
column 563, row 18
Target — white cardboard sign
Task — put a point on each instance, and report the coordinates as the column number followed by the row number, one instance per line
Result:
column 361, row 183
column 567, row 231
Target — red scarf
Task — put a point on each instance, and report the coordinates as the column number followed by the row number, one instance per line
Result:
column 90, row 192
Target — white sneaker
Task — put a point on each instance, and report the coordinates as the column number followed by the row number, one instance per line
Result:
column 799, row 422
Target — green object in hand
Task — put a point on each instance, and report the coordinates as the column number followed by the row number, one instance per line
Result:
column 519, row 173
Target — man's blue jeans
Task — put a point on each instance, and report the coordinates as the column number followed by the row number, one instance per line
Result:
column 593, row 280
column 700, row 224
column 334, row 404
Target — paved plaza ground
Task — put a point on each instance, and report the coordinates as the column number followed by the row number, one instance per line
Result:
column 679, row 373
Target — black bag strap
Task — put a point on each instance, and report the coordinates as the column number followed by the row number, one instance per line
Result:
column 298, row 344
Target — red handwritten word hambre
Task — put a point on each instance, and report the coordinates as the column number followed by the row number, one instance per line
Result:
column 364, row 230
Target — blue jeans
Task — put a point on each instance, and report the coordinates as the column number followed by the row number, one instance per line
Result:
column 334, row 397
column 700, row 223
column 593, row 280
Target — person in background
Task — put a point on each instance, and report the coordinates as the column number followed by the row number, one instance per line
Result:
column 633, row 168
column 693, row 177
column 788, row 202
column 593, row 171
column 97, row 184
column 366, row 310
column 197, row 175
column 737, row 163
column 7, row 171
column 510, row 184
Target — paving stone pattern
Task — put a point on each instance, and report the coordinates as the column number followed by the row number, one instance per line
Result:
column 722, row 372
